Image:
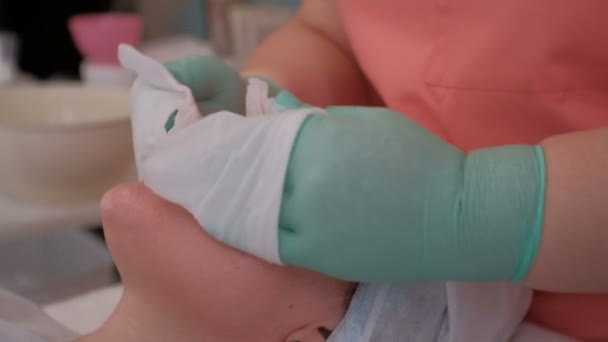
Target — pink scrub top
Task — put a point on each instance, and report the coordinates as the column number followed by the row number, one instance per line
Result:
column 483, row 73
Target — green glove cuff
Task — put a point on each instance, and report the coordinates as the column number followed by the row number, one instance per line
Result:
column 503, row 208
column 531, row 249
column 371, row 196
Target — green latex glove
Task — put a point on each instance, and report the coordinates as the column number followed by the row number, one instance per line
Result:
column 370, row 195
column 214, row 85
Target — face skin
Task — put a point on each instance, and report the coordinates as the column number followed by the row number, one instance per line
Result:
column 182, row 285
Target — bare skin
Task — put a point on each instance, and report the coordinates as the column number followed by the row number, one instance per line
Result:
column 574, row 247
column 182, row 285
column 311, row 57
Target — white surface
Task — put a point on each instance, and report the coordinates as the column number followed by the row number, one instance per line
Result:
column 19, row 218
column 86, row 313
column 63, row 143
column 175, row 47
column 106, row 75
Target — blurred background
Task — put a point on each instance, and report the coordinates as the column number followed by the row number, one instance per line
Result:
column 42, row 26
column 65, row 134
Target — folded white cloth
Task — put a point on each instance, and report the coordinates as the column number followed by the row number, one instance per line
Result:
column 485, row 312
column 440, row 312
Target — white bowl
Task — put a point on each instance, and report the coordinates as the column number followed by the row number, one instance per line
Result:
column 63, row 143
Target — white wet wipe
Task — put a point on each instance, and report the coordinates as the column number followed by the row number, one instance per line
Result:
column 226, row 169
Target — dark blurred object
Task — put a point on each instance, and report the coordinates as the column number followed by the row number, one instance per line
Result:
column 46, row 47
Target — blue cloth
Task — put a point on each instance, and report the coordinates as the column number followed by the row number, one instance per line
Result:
column 415, row 312
column 12, row 333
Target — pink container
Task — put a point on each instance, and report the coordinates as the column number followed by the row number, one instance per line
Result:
column 97, row 36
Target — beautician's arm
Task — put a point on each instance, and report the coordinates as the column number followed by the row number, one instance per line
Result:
column 573, row 254
column 310, row 57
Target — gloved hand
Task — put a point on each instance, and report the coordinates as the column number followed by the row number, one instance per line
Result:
column 369, row 195
column 214, row 85
column 225, row 169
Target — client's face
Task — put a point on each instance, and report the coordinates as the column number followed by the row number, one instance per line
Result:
column 183, row 284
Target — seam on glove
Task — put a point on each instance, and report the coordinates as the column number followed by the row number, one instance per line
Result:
column 531, row 249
